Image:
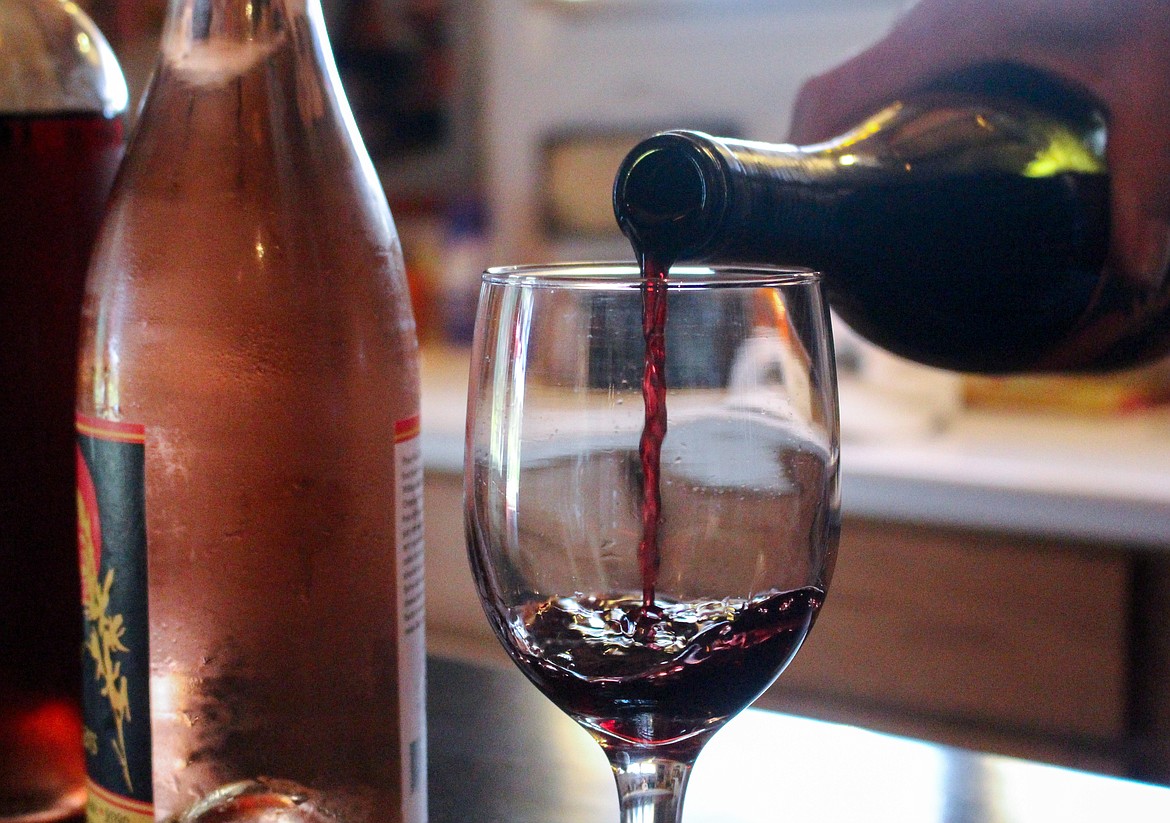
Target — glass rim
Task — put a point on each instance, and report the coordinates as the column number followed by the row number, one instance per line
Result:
column 627, row 275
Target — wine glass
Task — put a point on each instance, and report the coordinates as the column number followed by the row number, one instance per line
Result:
column 651, row 519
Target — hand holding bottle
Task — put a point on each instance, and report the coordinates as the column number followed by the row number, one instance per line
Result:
column 1117, row 51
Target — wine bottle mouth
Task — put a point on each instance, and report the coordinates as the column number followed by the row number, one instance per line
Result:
column 666, row 196
column 664, row 186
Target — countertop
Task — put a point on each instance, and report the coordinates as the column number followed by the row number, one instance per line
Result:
column 1093, row 479
column 501, row 753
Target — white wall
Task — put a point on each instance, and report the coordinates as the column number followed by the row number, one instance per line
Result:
column 643, row 65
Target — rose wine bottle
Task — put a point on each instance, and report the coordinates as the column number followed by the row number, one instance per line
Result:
column 249, row 480
column 62, row 97
column 966, row 227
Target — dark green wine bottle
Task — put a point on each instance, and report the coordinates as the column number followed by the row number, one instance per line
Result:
column 964, row 227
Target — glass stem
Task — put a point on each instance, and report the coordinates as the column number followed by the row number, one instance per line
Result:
column 650, row 788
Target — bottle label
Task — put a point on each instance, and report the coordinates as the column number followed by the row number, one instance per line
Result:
column 111, row 535
column 408, row 507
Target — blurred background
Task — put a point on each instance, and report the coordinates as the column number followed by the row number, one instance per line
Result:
column 497, row 125
column 1003, row 581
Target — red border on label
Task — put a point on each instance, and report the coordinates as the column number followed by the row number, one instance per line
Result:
column 406, row 429
column 115, row 430
column 117, row 801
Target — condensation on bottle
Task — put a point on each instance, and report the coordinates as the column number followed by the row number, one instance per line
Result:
column 247, row 418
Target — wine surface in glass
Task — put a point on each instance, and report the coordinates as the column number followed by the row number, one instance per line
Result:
column 698, row 664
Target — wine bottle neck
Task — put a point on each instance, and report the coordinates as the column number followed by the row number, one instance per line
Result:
column 219, row 39
column 282, row 44
column 688, row 196
column 253, row 21
column 247, row 93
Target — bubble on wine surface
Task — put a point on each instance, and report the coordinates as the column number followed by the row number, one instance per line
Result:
column 263, row 800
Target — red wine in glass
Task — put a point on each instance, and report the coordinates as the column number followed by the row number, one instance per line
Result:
column 662, row 681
